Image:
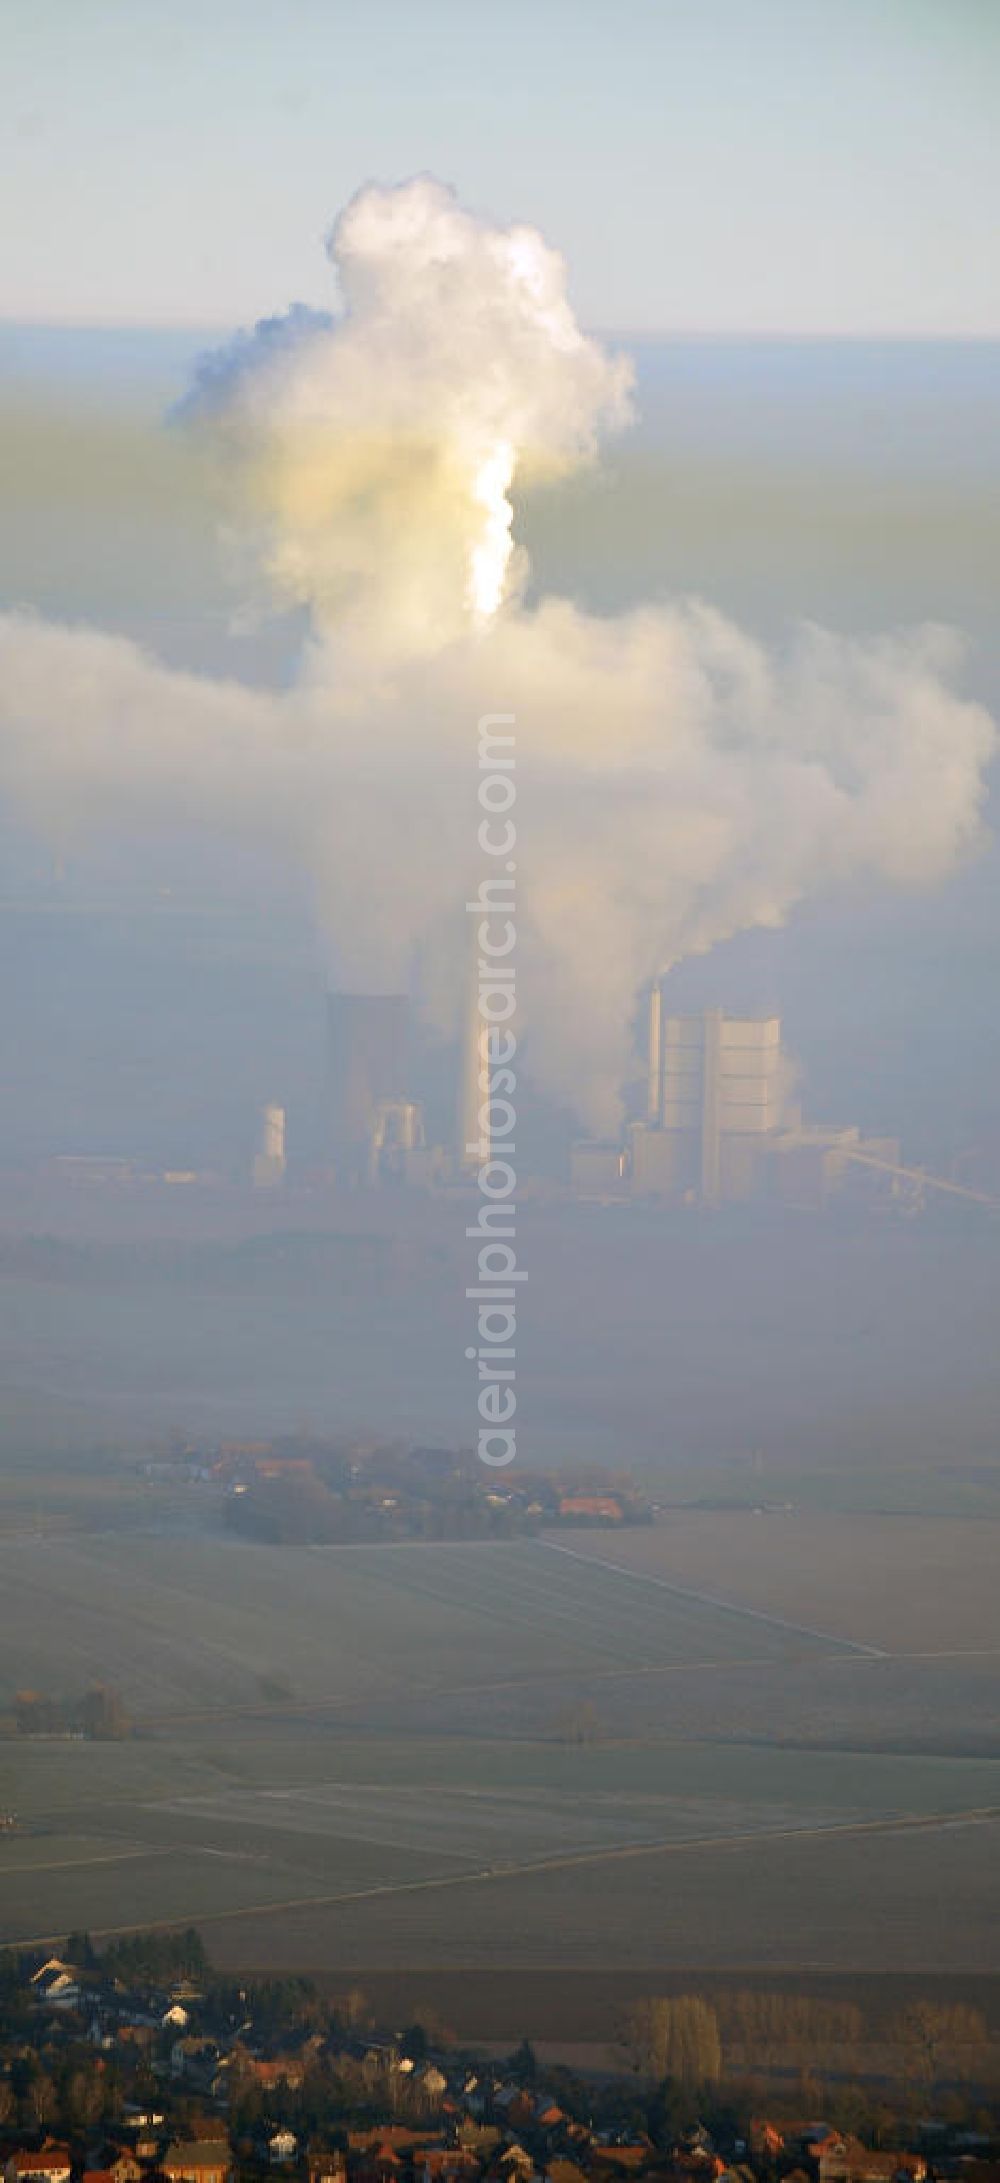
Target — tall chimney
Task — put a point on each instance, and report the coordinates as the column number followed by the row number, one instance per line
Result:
column 654, row 1082
column 711, row 1106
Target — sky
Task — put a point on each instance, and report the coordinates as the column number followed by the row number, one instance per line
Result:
column 752, row 166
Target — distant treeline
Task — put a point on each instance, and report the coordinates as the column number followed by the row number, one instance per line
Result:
column 697, row 2041
column 99, row 1714
column 154, row 1959
column 303, row 1511
column 289, row 1261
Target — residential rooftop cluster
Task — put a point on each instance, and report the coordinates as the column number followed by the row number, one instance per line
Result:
column 141, row 2066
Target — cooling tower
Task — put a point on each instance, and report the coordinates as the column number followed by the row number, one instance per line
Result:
column 368, row 1035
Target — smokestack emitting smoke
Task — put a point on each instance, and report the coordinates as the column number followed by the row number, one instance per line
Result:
column 677, row 782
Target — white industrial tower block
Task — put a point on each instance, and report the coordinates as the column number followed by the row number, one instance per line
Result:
column 715, row 1090
column 269, row 1164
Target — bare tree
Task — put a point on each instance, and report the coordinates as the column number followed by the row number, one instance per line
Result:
column 675, row 2037
column 582, row 1725
column 940, row 2039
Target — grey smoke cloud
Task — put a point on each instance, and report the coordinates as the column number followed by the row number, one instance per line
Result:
column 678, row 780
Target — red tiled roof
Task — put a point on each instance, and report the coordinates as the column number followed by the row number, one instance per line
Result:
column 53, row 2161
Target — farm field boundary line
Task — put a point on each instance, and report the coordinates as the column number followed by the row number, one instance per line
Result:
column 936, row 1823
column 722, row 1606
column 626, row 1612
column 255, row 1710
column 85, row 1864
column 956, row 1652
column 310, row 1707
column 598, row 1626
column 622, row 1614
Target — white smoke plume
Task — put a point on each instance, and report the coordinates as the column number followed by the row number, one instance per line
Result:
column 677, row 782
column 376, row 450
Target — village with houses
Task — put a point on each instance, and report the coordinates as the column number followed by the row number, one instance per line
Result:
column 308, row 1489
column 141, row 2066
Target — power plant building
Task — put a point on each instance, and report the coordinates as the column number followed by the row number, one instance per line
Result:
column 719, row 1126
column 715, row 1095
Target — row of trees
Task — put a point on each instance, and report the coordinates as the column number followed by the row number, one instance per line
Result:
column 151, row 1959
column 72, row 2098
column 765, row 2025
column 694, row 2041
column 676, row 2036
column 98, row 1714
column 296, row 1511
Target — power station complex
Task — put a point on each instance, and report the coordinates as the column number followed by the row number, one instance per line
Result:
column 719, row 1124
column 712, row 1120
